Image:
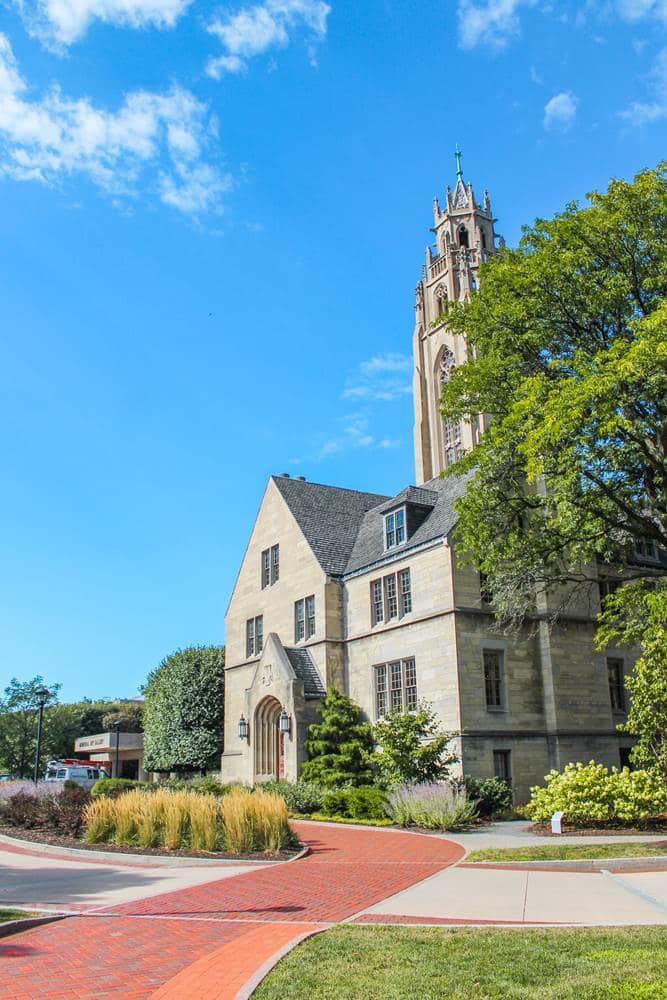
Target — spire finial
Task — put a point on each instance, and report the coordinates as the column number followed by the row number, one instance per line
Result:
column 459, row 169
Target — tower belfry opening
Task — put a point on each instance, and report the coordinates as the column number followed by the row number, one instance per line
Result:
column 464, row 237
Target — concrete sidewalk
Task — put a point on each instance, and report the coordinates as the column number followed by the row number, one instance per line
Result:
column 472, row 894
column 65, row 884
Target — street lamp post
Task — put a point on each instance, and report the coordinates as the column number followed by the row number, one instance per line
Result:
column 42, row 695
column 116, row 726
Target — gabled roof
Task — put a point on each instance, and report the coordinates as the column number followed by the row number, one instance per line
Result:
column 345, row 530
column 328, row 516
column 442, row 493
column 304, row 667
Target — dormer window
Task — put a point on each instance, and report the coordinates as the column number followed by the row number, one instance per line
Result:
column 394, row 528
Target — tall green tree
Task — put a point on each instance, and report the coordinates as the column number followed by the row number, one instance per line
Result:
column 19, row 710
column 567, row 353
column 340, row 746
column 184, row 710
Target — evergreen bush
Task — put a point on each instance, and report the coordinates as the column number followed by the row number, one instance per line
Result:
column 300, row 796
column 340, row 746
column 111, row 788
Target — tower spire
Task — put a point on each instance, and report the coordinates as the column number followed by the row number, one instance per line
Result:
column 458, row 155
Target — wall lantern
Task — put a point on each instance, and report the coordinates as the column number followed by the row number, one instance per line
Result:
column 243, row 728
column 284, row 722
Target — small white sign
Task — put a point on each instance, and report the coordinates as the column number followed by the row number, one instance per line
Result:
column 557, row 822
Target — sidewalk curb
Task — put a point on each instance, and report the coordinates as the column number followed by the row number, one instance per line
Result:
column 639, row 864
column 262, row 972
column 139, row 860
column 16, row 926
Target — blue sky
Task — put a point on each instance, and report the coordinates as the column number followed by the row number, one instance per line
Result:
column 213, row 222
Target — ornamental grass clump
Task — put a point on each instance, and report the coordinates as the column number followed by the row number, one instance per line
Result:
column 432, row 806
column 239, row 822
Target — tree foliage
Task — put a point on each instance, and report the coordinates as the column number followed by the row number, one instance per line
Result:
column 340, row 746
column 62, row 724
column 184, row 710
column 636, row 615
column 19, row 711
column 413, row 748
column 567, row 345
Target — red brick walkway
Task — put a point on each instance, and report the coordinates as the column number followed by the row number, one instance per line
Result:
column 206, row 941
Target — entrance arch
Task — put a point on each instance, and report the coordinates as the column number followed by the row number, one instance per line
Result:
column 269, row 759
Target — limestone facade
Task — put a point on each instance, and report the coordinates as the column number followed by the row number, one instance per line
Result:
column 520, row 705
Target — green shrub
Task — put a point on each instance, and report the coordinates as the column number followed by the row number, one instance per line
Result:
column 637, row 794
column 301, row 796
column 364, row 802
column 493, row 796
column 113, row 787
column 340, row 746
column 432, row 806
column 589, row 792
column 413, row 749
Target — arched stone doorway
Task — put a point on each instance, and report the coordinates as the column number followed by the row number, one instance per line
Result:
column 269, row 750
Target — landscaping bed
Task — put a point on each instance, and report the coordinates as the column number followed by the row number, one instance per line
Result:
column 48, row 837
column 571, row 852
column 392, row 963
column 600, row 829
column 11, row 914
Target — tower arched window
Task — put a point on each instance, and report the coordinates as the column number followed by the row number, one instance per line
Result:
column 451, row 429
column 463, row 237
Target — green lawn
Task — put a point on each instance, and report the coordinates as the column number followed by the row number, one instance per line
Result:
column 420, row 963
column 6, row 915
column 569, row 852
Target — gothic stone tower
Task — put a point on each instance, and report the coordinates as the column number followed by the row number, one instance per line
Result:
column 464, row 237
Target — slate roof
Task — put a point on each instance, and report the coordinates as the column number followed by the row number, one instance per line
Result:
column 369, row 544
column 305, row 669
column 328, row 516
column 344, row 528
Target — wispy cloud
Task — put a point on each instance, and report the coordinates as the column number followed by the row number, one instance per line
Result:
column 61, row 22
column 560, row 111
column 154, row 142
column 490, row 23
column 655, row 108
column 494, row 22
column 257, row 29
column 382, row 378
column 355, row 433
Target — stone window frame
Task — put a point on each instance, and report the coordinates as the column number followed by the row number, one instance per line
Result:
column 304, row 618
column 616, row 683
column 395, row 686
column 270, row 566
column 254, row 636
column 499, row 648
column 387, row 594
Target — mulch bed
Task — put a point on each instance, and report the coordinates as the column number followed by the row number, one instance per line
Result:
column 600, row 830
column 36, row 836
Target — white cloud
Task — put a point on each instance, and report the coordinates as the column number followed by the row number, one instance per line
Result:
column 62, row 22
column 655, row 109
column 381, row 378
column 559, row 112
column 153, row 140
column 355, row 433
column 254, row 30
column 635, row 10
column 491, row 23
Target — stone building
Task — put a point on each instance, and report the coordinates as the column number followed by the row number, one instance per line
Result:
column 365, row 592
